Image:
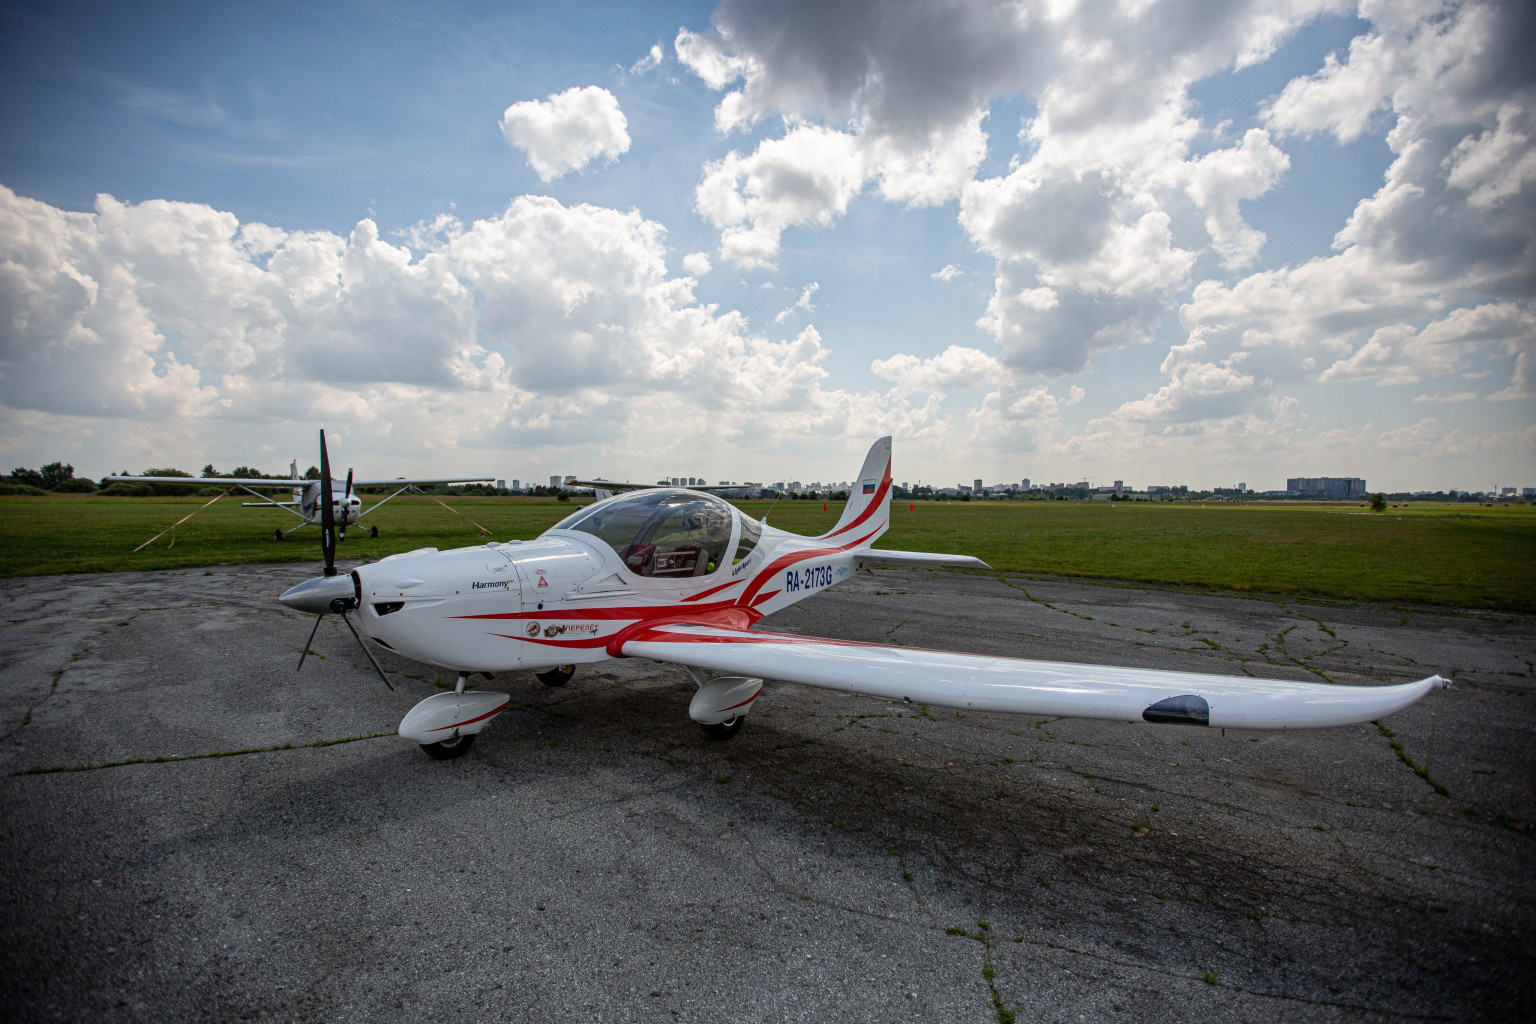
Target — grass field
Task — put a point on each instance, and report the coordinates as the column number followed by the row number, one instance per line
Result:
column 1462, row 556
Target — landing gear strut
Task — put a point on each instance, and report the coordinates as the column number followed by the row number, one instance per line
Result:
column 278, row 535
column 556, row 676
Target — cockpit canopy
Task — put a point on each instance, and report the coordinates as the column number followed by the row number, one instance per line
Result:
column 660, row 532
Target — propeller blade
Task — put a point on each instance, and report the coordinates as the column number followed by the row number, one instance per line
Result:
column 373, row 661
column 310, row 642
column 327, row 511
column 349, row 483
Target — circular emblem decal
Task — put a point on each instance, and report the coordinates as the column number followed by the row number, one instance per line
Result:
column 533, row 629
column 551, row 630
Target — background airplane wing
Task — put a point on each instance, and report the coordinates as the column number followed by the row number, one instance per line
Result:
column 205, row 480
column 402, row 482
column 1018, row 686
column 618, row 485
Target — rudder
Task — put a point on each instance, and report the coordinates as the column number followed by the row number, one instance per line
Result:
column 868, row 512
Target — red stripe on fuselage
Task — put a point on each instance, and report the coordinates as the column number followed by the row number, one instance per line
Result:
column 774, row 567
column 713, row 590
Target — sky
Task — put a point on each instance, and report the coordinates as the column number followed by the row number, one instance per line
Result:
column 1201, row 242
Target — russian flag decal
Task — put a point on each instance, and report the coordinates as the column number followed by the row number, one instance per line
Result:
column 869, row 487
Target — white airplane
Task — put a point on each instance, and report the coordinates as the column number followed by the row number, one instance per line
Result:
column 306, row 501
column 680, row 576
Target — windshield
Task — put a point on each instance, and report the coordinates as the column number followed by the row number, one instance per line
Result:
column 660, row 532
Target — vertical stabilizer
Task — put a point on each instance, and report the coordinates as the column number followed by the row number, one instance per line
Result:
column 868, row 512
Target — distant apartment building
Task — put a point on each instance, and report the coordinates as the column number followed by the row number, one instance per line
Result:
column 976, row 486
column 554, row 481
column 1024, row 485
column 1327, row 486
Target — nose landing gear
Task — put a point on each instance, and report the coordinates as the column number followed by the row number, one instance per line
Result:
column 447, row 750
column 723, row 730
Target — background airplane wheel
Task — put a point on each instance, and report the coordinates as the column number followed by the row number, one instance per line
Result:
column 724, row 730
column 277, row 534
column 556, row 676
column 447, row 750
column 373, row 531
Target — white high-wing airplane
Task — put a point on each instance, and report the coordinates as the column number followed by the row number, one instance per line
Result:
column 680, row 576
column 307, row 495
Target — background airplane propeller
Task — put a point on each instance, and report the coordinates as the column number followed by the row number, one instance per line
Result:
column 328, row 510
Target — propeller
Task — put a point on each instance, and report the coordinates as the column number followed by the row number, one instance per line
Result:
column 346, row 510
column 327, row 511
column 328, row 593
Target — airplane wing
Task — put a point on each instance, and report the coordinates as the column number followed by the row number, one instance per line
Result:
column 205, row 480
column 616, row 485
column 403, row 482
column 1018, row 686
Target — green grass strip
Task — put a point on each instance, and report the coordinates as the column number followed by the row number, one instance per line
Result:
column 1460, row 555
column 1402, row 755
column 46, row 770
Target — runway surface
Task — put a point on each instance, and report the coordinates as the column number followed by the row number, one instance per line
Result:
column 844, row 858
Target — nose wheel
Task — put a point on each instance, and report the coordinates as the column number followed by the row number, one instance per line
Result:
column 447, row 750
column 723, row 730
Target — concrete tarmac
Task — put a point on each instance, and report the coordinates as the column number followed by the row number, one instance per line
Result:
column 595, row 858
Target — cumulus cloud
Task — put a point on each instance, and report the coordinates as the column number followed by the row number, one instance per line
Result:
column 808, row 176
column 697, row 263
column 1085, row 224
column 568, row 130
column 948, row 272
column 1402, row 354
column 1435, row 272
column 541, row 328
column 957, row 367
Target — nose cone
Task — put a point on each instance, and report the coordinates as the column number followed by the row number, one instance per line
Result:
column 319, row 595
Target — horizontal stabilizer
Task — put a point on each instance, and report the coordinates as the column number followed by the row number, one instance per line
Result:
column 918, row 559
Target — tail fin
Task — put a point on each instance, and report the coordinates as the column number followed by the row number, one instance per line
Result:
column 868, row 512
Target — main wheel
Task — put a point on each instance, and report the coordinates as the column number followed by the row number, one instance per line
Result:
column 556, row 676
column 373, row 531
column 277, row 534
column 447, row 750
column 724, row 730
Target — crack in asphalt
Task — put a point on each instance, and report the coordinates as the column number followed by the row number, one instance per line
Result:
column 172, row 758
